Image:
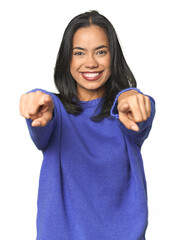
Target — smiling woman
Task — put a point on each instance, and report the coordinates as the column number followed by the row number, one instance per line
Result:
column 92, row 181
column 90, row 42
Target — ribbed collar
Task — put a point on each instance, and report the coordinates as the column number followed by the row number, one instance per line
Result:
column 91, row 103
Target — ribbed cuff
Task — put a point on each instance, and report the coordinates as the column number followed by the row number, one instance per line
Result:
column 114, row 110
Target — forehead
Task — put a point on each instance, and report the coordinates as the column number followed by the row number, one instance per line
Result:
column 90, row 36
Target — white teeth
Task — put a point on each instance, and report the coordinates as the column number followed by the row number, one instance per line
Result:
column 91, row 74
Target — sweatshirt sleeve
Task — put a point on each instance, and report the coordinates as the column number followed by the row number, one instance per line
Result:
column 144, row 127
column 41, row 135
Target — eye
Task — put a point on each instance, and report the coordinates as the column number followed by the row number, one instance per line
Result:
column 78, row 53
column 101, row 52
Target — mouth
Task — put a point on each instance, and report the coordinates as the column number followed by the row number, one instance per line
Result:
column 91, row 76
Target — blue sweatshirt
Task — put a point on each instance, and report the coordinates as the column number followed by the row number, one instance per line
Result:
column 92, row 184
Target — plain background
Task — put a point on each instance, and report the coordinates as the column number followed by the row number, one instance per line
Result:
column 152, row 35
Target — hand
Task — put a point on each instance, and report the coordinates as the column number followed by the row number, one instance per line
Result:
column 37, row 106
column 133, row 107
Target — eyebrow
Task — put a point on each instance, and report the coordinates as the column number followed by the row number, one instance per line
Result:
column 80, row 48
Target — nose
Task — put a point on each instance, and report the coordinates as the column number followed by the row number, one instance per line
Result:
column 91, row 62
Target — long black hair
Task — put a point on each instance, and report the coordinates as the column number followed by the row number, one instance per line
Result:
column 121, row 76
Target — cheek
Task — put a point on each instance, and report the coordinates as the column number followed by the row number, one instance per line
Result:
column 106, row 63
column 73, row 67
column 107, row 66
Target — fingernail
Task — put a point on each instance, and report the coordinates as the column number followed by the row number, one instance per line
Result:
column 134, row 128
column 37, row 124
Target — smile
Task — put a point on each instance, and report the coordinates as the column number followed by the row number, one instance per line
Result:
column 90, row 76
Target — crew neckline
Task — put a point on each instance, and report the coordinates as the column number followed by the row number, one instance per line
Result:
column 91, row 103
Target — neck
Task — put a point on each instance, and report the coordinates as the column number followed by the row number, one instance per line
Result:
column 90, row 95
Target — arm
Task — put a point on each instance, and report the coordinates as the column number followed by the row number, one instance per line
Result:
column 39, row 111
column 135, row 112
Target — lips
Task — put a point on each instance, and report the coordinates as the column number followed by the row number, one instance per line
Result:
column 91, row 76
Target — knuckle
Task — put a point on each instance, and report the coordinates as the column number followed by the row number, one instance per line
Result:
column 23, row 114
column 48, row 99
column 138, row 119
column 133, row 98
column 38, row 92
column 147, row 99
column 141, row 96
column 30, row 112
column 47, row 94
column 38, row 95
column 44, row 122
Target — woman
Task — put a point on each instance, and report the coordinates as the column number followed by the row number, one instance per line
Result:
column 92, row 183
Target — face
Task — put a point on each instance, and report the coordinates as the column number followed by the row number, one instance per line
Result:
column 90, row 64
